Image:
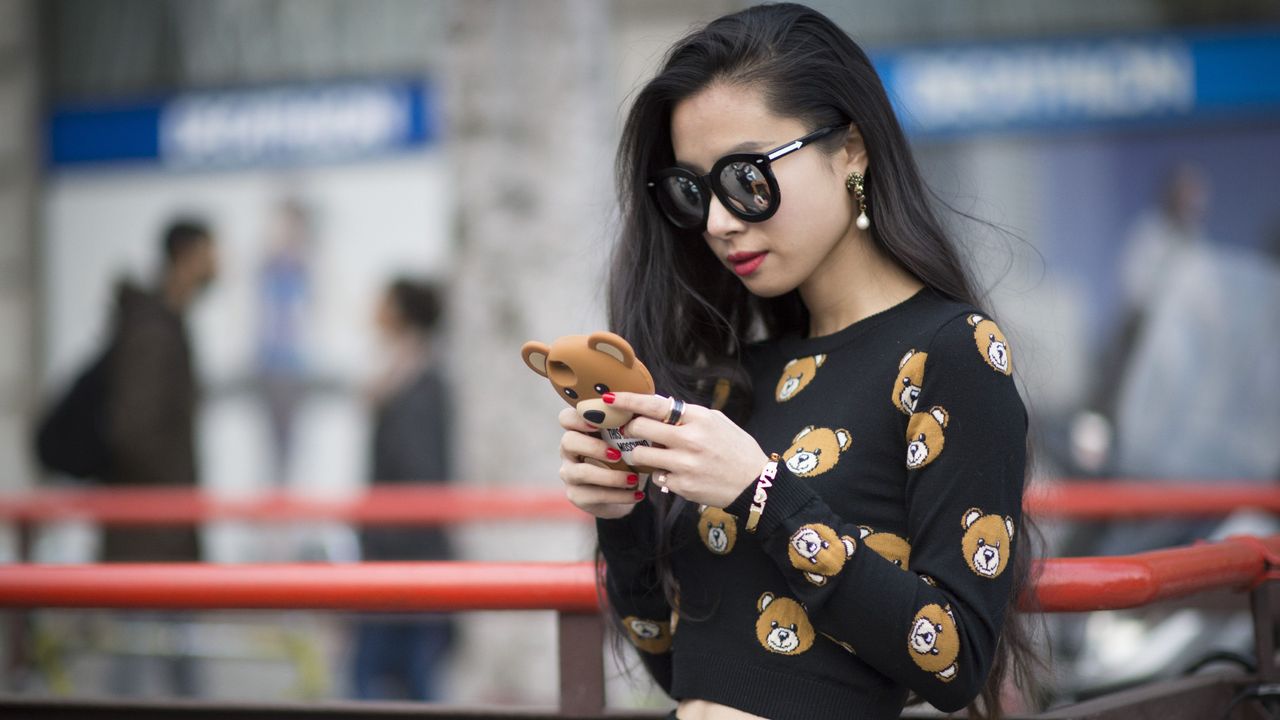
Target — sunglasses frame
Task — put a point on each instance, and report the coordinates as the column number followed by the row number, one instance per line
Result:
column 707, row 185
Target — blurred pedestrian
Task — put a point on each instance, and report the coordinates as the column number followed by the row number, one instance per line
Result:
column 284, row 290
column 409, row 398
column 150, row 429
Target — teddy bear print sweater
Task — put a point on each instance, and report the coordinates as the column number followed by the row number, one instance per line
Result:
column 882, row 559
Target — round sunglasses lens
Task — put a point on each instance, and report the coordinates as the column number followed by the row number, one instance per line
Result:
column 746, row 187
column 682, row 200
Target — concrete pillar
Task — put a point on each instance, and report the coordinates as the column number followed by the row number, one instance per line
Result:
column 19, row 144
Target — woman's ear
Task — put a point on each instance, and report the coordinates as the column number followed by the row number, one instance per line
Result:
column 854, row 153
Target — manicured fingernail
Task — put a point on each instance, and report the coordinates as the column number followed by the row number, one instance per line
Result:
column 639, row 495
column 633, row 479
column 608, row 398
column 612, row 454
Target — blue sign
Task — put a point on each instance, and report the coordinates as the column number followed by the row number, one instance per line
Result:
column 244, row 128
column 957, row 89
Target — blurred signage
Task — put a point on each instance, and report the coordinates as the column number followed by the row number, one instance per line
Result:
column 1069, row 84
column 246, row 128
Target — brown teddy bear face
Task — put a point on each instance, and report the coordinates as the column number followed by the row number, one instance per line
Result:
column 650, row 636
column 816, row 450
column 584, row 367
column 887, row 545
column 906, row 387
column 991, row 344
column 987, row 542
column 783, row 626
column 818, row 552
column 796, row 375
column 718, row 530
column 933, row 641
column 924, row 436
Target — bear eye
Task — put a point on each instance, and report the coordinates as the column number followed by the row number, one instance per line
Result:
column 818, row 451
column 981, row 542
column 571, row 393
column 601, row 388
column 773, row 624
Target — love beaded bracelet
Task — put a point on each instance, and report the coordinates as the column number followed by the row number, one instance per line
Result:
column 763, row 483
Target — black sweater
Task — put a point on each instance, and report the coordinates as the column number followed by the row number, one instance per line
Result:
column 882, row 559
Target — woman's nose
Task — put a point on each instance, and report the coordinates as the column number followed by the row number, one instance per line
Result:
column 721, row 222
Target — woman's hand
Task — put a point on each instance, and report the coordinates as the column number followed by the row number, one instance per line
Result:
column 597, row 490
column 707, row 458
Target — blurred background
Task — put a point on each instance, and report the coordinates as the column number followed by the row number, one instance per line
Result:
column 1121, row 156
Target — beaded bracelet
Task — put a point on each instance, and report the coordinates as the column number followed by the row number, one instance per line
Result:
column 763, row 483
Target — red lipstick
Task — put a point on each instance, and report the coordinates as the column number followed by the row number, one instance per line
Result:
column 745, row 263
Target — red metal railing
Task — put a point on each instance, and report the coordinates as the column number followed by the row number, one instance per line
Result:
column 436, row 504
column 1064, row 585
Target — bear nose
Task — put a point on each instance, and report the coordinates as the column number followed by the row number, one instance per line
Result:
column 594, row 416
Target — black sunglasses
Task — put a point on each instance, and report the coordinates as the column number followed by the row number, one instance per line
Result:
column 743, row 182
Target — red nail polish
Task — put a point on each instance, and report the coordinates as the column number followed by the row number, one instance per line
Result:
column 612, row 454
column 633, row 479
column 639, row 495
column 608, row 398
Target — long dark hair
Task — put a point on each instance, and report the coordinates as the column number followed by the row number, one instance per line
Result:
column 686, row 316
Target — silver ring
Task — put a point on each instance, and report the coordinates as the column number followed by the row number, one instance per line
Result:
column 677, row 410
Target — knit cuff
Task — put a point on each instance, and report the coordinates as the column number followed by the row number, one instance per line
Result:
column 630, row 536
column 787, row 496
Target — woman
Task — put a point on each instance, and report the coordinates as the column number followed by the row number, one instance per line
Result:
column 848, row 529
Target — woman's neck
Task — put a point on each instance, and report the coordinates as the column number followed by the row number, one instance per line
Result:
column 856, row 281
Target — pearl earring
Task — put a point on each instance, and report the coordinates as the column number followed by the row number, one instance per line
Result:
column 854, row 183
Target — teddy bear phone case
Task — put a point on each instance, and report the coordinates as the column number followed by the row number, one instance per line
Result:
column 582, row 368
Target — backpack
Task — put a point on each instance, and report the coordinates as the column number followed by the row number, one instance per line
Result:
column 71, row 436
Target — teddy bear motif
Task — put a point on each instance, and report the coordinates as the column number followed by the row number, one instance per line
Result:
column 887, row 545
column 991, row 344
column 906, row 387
column 718, row 529
column 987, row 540
column 819, row 552
column 796, row 376
column 783, row 626
column 582, row 368
column 924, row 436
column 815, row 450
column 933, row 641
column 650, row 636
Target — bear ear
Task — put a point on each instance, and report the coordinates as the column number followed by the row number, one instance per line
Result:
column 702, row 508
column 805, row 431
column 906, row 358
column 974, row 319
column 819, row 359
column 1008, row 524
column 864, row 531
column 848, row 545
column 939, row 413
column 970, row 517
column 816, row 579
column 790, row 363
column 843, row 439
column 535, row 356
column 613, row 346
column 764, row 601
